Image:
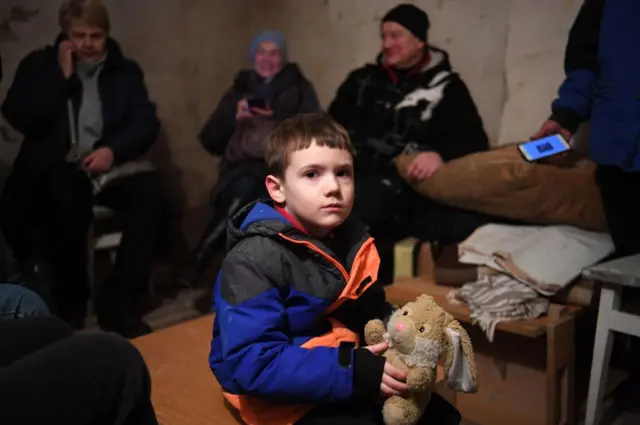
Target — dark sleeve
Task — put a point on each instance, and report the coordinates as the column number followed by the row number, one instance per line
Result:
column 140, row 128
column 368, row 367
column 573, row 104
column 296, row 100
column 457, row 127
column 344, row 106
column 220, row 126
column 37, row 94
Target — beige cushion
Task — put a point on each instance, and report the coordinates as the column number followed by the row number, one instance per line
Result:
column 501, row 183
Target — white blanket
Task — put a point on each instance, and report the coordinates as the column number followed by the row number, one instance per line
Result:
column 546, row 258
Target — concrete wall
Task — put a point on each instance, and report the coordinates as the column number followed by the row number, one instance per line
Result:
column 508, row 51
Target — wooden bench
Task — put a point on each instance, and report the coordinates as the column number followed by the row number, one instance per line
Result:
column 555, row 334
column 183, row 389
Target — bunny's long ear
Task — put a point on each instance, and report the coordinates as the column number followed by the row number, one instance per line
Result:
column 460, row 362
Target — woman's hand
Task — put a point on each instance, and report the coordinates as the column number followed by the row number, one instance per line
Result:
column 262, row 112
column 242, row 110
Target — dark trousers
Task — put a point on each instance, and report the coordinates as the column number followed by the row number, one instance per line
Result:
column 60, row 203
column 439, row 412
column 394, row 211
column 49, row 376
column 621, row 207
column 236, row 187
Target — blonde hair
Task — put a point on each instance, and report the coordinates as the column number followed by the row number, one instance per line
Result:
column 299, row 133
column 90, row 12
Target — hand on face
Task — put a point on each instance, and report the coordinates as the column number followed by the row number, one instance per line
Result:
column 65, row 58
column 89, row 42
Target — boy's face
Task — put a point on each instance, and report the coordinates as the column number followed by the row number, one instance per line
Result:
column 317, row 188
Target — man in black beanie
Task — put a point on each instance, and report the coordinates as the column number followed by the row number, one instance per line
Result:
column 407, row 27
column 408, row 100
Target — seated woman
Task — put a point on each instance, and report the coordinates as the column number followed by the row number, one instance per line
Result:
column 258, row 100
column 83, row 109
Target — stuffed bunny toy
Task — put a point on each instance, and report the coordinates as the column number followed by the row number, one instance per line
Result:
column 419, row 335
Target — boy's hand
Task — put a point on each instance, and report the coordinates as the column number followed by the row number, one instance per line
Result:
column 393, row 379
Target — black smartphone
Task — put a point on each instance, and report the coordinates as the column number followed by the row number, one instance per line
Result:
column 257, row 102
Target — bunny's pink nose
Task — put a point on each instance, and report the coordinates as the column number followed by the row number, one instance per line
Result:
column 400, row 326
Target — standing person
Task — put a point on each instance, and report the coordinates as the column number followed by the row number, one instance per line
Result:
column 602, row 85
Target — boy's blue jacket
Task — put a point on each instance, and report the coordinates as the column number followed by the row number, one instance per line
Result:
column 289, row 312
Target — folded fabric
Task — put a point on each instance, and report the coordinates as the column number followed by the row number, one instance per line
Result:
column 496, row 298
column 546, row 258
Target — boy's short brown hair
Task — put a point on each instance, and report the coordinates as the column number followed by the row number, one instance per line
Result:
column 91, row 12
column 300, row 132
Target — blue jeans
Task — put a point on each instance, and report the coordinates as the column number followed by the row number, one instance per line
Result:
column 17, row 302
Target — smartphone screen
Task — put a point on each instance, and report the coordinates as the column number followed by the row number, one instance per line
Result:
column 543, row 148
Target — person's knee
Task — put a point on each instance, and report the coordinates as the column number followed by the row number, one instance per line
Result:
column 47, row 327
column 17, row 302
column 114, row 349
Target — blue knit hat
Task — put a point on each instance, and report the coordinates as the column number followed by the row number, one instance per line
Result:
column 272, row 36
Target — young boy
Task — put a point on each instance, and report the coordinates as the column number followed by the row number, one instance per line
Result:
column 296, row 290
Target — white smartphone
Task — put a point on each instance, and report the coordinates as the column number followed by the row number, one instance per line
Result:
column 538, row 149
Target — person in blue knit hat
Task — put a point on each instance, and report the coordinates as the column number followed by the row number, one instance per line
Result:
column 272, row 90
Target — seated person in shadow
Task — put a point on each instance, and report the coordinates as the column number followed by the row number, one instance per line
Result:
column 409, row 100
column 49, row 374
column 83, row 89
column 261, row 97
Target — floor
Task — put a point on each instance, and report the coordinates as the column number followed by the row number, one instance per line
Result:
column 173, row 306
column 179, row 308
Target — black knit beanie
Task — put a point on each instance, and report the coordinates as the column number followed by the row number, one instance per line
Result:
column 411, row 17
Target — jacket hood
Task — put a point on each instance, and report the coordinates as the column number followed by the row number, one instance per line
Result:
column 257, row 218
column 260, row 218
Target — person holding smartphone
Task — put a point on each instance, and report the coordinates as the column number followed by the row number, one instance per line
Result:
column 83, row 89
column 602, row 85
column 272, row 90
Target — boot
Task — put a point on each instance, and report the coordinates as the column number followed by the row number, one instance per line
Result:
column 212, row 241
